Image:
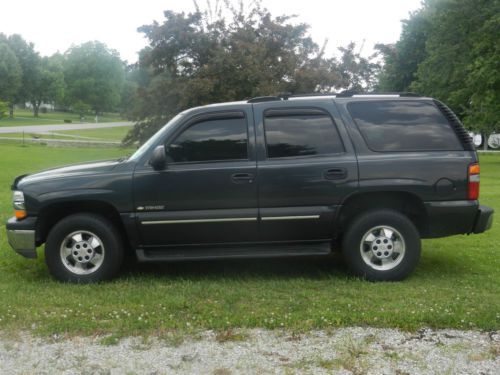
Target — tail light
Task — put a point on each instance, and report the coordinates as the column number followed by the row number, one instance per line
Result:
column 473, row 182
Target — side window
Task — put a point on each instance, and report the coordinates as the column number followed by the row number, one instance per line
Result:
column 295, row 133
column 212, row 140
column 403, row 125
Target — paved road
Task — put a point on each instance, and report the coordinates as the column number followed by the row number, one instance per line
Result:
column 59, row 127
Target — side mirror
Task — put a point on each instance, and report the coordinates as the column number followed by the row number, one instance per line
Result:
column 159, row 159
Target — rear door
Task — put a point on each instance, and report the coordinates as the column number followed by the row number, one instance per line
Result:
column 306, row 167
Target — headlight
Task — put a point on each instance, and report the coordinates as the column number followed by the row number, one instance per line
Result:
column 19, row 206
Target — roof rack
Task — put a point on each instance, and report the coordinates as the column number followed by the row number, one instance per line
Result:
column 260, row 99
column 342, row 94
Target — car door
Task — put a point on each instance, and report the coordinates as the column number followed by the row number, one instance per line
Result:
column 207, row 193
column 306, row 165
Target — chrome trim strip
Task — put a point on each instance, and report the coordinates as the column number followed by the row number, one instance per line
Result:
column 189, row 221
column 303, row 217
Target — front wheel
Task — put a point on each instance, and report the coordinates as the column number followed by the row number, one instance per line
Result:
column 83, row 248
column 382, row 245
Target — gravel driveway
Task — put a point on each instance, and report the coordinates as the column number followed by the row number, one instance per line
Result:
column 343, row 351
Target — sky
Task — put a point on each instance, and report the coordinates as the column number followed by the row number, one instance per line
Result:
column 55, row 25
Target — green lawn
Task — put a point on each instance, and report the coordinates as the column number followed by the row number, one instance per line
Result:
column 457, row 283
column 25, row 117
column 105, row 134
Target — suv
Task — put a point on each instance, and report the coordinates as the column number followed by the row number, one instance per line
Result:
column 267, row 177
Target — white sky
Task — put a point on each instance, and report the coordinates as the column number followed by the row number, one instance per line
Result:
column 54, row 25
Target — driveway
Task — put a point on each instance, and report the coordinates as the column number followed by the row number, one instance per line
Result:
column 60, row 127
column 357, row 350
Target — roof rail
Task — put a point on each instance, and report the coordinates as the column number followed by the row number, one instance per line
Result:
column 343, row 94
column 313, row 94
column 260, row 99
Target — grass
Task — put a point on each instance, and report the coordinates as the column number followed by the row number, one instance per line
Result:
column 105, row 134
column 25, row 117
column 456, row 284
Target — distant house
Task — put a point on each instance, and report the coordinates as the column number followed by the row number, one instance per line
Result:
column 48, row 106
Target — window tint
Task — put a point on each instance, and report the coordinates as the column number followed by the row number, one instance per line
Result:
column 403, row 126
column 301, row 135
column 224, row 139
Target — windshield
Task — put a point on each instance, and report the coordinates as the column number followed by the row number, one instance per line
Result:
column 141, row 150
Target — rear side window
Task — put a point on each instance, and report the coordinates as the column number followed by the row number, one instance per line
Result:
column 392, row 125
column 213, row 140
column 296, row 133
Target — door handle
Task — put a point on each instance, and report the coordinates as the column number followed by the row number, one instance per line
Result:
column 242, row 178
column 335, row 174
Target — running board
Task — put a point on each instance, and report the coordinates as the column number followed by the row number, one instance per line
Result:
column 233, row 252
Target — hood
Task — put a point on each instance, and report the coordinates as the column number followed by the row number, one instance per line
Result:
column 90, row 168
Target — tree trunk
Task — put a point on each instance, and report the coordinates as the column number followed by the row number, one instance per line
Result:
column 485, row 141
column 11, row 110
column 36, row 108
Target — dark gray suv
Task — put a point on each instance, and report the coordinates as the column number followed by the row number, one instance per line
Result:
column 266, row 177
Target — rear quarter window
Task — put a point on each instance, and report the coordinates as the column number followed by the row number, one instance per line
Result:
column 403, row 125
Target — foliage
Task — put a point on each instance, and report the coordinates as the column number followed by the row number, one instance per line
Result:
column 402, row 59
column 94, row 75
column 10, row 73
column 29, row 61
column 3, row 109
column 229, row 53
column 48, row 86
column 449, row 50
column 81, row 108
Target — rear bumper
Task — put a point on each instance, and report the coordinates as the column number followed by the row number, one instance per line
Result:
column 21, row 236
column 457, row 217
column 484, row 219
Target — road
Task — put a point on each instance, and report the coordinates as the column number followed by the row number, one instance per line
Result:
column 60, row 127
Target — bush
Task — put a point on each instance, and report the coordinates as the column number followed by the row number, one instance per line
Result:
column 68, row 121
column 4, row 108
column 43, row 110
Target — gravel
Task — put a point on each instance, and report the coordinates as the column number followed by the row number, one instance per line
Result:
column 344, row 351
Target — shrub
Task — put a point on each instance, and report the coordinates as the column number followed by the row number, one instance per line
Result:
column 3, row 109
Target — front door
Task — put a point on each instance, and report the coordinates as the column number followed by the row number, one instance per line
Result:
column 307, row 166
column 207, row 193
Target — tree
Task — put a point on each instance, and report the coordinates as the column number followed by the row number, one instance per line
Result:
column 402, row 59
column 10, row 75
column 29, row 61
column 94, row 75
column 48, row 86
column 462, row 63
column 202, row 57
column 449, row 50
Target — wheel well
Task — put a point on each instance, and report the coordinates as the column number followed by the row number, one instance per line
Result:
column 52, row 214
column 406, row 203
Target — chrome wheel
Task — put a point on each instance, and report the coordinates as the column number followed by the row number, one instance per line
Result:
column 382, row 248
column 82, row 252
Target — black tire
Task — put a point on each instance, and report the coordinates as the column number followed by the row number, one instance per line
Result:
column 403, row 260
column 109, row 247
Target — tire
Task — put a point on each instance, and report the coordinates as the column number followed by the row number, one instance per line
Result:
column 381, row 245
column 84, row 248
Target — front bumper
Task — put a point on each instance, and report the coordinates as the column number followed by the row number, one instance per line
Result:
column 21, row 235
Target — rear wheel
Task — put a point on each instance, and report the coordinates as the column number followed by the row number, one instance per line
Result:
column 83, row 248
column 382, row 245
